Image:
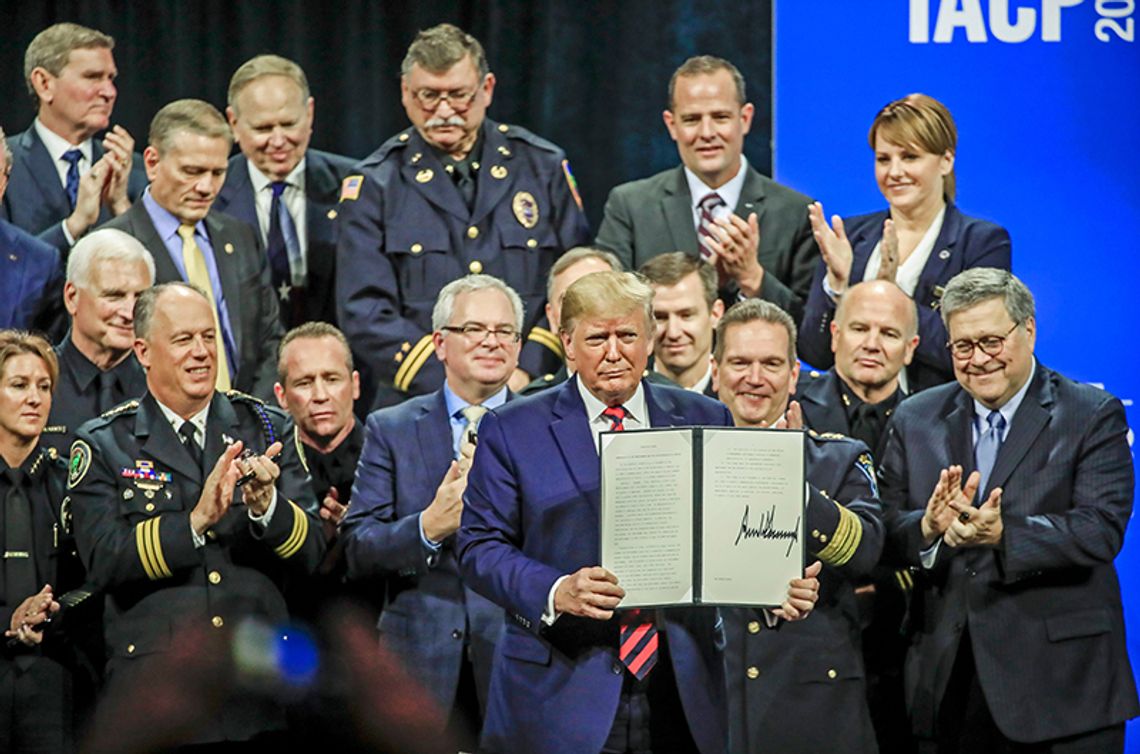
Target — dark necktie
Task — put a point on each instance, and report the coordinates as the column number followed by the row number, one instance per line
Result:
column 867, row 425
column 706, row 228
column 105, row 383
column 281, row 241
column 187, row 432
column 19, row 563
column 986, row 451
column 72, row 158
column 638, row 644
column 464, row 177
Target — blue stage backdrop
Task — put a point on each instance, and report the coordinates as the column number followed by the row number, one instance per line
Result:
column 1045, row 96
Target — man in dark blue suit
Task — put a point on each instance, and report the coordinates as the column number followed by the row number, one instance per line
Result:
column 31, row 274
column 408, row 500
column 64, row 181
column 1018, row 632
column 286, row 192
column 529, row 541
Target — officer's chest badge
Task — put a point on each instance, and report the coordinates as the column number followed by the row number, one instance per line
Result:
column 498, row 172
column 525, row 209
column 146, row 477
column 425, row 175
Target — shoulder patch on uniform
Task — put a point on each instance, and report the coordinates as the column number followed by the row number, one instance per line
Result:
column 572, row 183
column 79, row 464
column 350, row 188
column 867, row 466
column 120, row 409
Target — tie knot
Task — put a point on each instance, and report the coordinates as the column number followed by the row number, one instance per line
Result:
column 996, row 421
column 186, row 232
column 710, row 202
column 72, row 157
column 15, row 476
column 188, row 431
column 278, row 188
column 473, row 414
column 616, row 415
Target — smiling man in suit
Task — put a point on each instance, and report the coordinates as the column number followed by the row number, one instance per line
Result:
column 715, row 205
column 189, row 144
column 408, row 501
column 64, row 181
column 1010, row 491
column 282, row 189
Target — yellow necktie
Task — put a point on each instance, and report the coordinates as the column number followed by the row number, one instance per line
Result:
column 197, row 274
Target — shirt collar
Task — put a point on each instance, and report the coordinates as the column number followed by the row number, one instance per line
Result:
column 1010, row 408
column 260, row 181
column 56, row 145
column 634, row 407
column 176, row 421
column 851, row 402
column 166, row 224
column 82, row 368
column 455, row 404
column 729, row 192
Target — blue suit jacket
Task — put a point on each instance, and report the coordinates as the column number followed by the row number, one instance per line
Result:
column 430, row 616
column 964, row 242
column 31, row 282
column 1043, row 609
column 36, row 200
column 323, row 174
column 530, row 516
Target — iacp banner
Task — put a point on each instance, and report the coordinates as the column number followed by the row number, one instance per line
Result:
column 1046, row 95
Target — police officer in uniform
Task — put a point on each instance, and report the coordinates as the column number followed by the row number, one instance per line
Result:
column 456, row 194
column 799, row 688
column 181, row 528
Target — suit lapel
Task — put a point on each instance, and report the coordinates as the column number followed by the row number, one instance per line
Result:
column 820, row 413
column 489, row 189
column 571, row 430
column 863, row 243
column 142, row 228
column 424, row 173
column 677, row 208
column 157, row 440
column 321, row 192
column 237, row 197
column 44, row 173
column 222, row 420
column 960, row 424
column 228, row 273
column 433, row 431
column 1031, row 417
column 941, row 255
column 663, row 412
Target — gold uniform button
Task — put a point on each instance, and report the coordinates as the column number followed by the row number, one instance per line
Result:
column 217, row 621
column 815, row 533
column 473, row 232
column 130, row 649
column 229, row 248
column 332, row 214
column 831, row 673
column 215, row 577
column 417, row 248
column 503, row 128
column 404, row 137
column 753, row 673
column 823, row 539
column 531, row 243
column 149, row 507
column 753, row 626
column 211, row 534
column 475, row 267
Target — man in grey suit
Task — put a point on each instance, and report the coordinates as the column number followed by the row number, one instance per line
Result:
column 1009, row 493
column 715, row 205
column 186, row 159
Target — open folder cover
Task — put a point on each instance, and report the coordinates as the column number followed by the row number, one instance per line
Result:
column 703, row 515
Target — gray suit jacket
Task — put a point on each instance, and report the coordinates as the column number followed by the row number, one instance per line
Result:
column 654, row 216
column 249, row 295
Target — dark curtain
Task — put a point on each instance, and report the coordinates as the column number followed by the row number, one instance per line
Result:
column 589, row 75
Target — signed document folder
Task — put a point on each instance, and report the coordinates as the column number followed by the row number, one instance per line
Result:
column 703, row 515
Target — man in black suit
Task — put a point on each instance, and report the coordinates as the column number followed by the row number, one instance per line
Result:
column 64, row 181
column 285, row 191
column 715, row 205
column 686, row 309
column 1009, row 492
column 186, row 164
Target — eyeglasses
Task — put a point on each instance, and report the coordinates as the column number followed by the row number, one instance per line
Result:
column 991, row 345
column 476, row 334
column 459, row 99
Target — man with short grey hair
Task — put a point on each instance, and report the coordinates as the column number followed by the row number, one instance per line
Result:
column 1008, row 493
column 455, row 194
column 186, row 161
column 64, row 180
column 281, row 188
column 106, row 272
column 407, row 501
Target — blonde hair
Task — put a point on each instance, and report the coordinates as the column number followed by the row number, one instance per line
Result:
column 265, row 65
column 608, row 294
column 16, row 342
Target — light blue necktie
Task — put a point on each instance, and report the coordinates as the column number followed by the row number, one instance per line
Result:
column 986, row 450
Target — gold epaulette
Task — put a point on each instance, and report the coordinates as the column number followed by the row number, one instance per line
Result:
column 232, row 394
column 116, row 410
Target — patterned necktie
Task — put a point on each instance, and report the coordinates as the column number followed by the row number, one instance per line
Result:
column 187, row 433
column 199, row 275
column 638, row 643
column 706, row 227
column 282, row 246
column 986, row 451
column 72, row 158
column 472, row 414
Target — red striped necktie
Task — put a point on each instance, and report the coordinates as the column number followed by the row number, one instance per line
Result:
column 705, row 230
column 638, row 648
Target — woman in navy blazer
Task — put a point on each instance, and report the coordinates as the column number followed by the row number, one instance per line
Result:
column 921, row 241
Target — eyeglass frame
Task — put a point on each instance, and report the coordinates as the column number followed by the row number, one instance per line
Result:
column 472, row 329
column 460, row 101
column 976, row 344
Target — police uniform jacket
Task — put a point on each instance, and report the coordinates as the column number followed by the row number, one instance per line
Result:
column 406, row 232
column 799, row 687
column 77, row 396
column 133, row 485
